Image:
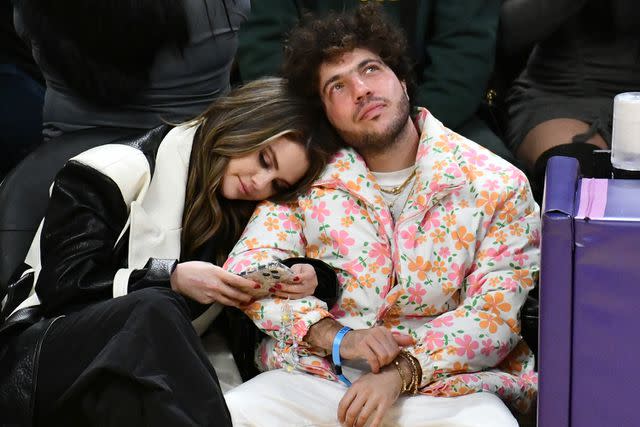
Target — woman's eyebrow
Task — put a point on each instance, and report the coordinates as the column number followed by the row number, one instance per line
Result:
column 276, row 166
column 273, row 156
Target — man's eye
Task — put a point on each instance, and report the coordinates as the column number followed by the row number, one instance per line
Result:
column 337, row 87
column 370, row 68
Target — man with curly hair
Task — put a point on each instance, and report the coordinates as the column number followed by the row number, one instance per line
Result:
column 435, row 242
column 451, row 44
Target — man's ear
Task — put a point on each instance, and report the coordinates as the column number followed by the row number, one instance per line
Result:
column 404, row 86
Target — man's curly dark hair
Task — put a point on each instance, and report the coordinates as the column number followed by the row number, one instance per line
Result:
column 316, row 40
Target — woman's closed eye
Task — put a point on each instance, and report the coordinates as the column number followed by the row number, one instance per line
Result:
column 265, row 162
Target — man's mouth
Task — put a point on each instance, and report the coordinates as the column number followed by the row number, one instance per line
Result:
column 371, row 110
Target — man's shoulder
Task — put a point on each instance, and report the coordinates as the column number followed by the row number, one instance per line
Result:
column 480, row 166
column 487, row 168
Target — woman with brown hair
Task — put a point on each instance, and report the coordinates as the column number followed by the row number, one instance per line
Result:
column 118, row 268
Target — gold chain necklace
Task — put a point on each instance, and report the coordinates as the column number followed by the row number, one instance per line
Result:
column 398, row 189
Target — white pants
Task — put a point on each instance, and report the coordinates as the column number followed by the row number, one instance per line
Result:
column 278, row 398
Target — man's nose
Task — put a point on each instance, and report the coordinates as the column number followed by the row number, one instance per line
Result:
column 360, row 89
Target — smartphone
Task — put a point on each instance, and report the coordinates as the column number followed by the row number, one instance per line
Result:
column 270, row 274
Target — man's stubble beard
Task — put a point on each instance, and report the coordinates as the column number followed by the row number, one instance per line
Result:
column 378, row 143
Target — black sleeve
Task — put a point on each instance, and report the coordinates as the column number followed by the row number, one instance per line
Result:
column 85, row 216
column 328, row 286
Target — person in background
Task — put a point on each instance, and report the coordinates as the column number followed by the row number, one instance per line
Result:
column 22, row 95
column 128, row 255
column 435, row 243
column 451, row 43
column 123, row 64
column 584, row 53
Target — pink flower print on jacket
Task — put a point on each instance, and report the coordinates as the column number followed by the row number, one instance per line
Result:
column 455, row 272
column 476, row 157
column 350, row 207
column 434, row 340
column 416, row 293
column 341, row 241
column 431, row 220
column 487, row 347
column 520, row 257
column 288, row 221
column 320, row 211
column 446, row 320
column 467, row 347
column 354, row 266
column 379, row 253
column 409, row 238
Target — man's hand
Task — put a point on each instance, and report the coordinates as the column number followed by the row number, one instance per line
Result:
column 370, row 396
column 378, row 346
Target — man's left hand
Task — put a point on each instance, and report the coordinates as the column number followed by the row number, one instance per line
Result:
column 370, row 397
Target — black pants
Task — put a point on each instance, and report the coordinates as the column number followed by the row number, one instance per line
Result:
column 133, row 360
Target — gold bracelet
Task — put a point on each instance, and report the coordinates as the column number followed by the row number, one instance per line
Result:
column 412, row 378
column 416, row 371
column 404, row 380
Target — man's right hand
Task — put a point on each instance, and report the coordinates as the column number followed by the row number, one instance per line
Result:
column 378, row 346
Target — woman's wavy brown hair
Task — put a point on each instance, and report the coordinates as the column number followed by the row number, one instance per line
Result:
column 248, row 119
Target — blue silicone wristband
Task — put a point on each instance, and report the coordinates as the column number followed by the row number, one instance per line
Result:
column 335, row 354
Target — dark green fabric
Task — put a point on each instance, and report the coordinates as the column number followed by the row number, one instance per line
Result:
column 452, row 41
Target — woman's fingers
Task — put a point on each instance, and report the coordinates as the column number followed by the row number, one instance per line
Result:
column 231, row 293
column 227, row 301
column 305, row 273
column 234, row 280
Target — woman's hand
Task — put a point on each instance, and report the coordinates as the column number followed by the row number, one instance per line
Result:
column 303, row 285
column 207, row 283
column 370, row 396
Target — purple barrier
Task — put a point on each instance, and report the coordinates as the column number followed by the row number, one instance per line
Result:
column 556, row 277
column 589, row 289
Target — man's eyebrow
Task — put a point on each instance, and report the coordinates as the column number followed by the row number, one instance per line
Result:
column 368, row 60
column 360, row 65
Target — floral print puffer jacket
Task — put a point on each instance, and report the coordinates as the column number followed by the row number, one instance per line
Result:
column 453, row 271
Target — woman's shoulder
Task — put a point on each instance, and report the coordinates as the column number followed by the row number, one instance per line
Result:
column 112, row 157
column 125, row 165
